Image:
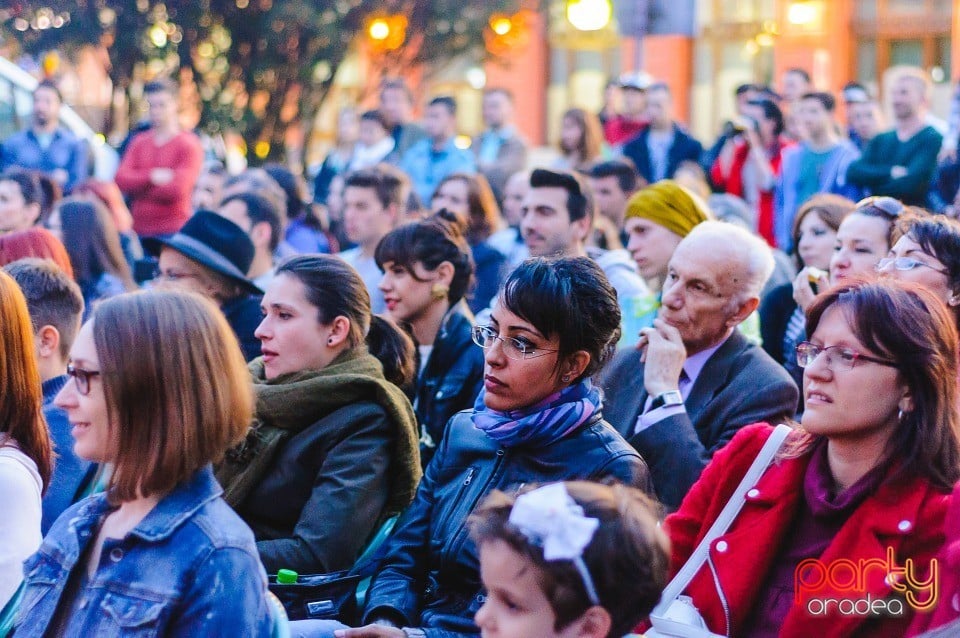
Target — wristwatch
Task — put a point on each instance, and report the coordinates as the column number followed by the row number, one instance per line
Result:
column 414, row 632
column 667, row 399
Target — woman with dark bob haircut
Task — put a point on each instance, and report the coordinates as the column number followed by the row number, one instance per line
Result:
column 865, row 480
column 928, row 253
column 427, row 269
column 158, row 390
column 537, row 420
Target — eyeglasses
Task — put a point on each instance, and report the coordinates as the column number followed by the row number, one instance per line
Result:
column 486, row 336
column 844, row 358
column 886, row 205
column 82, row 378
column 907, row 263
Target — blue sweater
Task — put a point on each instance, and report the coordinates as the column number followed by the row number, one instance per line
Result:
column 70, row 473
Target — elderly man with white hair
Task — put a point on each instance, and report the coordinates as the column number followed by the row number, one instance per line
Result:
column 694, row 379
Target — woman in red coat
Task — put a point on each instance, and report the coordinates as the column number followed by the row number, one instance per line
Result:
column 866, row 478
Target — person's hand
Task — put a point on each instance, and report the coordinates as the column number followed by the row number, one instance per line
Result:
column 161, row 176
column 803, row 292
column 897, row 172
column 370, row 631
column 664, row 354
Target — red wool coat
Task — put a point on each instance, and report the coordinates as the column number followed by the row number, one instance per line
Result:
column 949, row 608
column 907, row 516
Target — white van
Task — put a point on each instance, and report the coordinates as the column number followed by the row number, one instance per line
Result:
column 16, row 103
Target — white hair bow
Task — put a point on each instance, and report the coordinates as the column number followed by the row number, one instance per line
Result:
column 549, row 518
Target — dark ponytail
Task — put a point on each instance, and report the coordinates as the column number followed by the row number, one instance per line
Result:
column 336, row 290
column 431, row 241
column 394, row 349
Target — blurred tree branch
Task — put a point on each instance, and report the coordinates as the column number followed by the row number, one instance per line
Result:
column 259, row 66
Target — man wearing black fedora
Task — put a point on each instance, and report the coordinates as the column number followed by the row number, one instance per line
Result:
column 211, row 255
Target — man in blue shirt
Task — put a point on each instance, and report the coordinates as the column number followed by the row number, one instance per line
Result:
column 46, row 146
column 430, row 160
column 55, row 306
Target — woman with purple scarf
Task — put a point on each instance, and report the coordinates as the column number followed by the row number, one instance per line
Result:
column 537, row 420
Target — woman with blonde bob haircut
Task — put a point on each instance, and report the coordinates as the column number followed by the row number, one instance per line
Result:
column 160, row 391
column 26, row 458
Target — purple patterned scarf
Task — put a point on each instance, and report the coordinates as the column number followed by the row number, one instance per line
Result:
column 542, row 424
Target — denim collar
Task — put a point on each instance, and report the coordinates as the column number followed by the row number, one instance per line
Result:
column 171, row 512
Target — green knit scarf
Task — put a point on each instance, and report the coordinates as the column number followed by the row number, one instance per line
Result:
column 291, row 402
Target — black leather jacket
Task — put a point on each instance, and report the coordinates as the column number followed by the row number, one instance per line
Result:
column 430, row 575
column 452, row 379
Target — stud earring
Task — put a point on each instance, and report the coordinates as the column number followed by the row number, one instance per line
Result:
column 565, row 378
column 330, row 341
column 439, row 291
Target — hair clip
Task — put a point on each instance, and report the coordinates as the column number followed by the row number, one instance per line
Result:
column 549, row 518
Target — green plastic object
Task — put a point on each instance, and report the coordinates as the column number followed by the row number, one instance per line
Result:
column 287, row 577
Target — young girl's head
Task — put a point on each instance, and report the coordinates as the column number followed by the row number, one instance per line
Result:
column 567, row 560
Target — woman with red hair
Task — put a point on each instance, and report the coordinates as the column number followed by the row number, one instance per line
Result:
column 34, row 242
column 26, row 455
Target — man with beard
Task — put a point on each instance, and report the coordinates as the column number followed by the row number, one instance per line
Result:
column 901, row 163
column 556, row 217
column 46, row 146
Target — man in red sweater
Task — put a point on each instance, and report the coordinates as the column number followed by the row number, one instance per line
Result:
column 160, row 167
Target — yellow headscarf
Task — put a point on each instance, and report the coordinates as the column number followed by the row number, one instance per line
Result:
column 669, row 204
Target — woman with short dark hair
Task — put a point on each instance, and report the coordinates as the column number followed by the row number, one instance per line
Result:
column 537, row 420
column 159, row 391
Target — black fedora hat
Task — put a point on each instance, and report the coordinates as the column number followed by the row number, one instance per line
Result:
column 214, row 242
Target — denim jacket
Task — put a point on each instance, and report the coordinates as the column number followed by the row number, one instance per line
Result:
column 189, row 568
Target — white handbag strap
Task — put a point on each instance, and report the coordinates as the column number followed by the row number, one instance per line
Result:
column 726, row 517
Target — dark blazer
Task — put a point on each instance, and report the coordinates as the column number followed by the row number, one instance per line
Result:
column 739, row 385
column 684, row 148
column 430, row 575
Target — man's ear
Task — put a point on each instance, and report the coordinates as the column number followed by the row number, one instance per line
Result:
column 48, row 342
column 743, row 311
column 261, row 234
column 583, row 227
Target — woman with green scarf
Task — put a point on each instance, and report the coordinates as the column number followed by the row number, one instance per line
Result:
column 333, row 450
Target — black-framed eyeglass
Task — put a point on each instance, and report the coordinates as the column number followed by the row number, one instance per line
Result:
column 886, row 205
column 486, row 336
column 837, row 356
column 82, row 378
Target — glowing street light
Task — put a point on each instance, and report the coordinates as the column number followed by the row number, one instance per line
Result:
column 379, row 29
column 501, row 25
column 589, row 15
